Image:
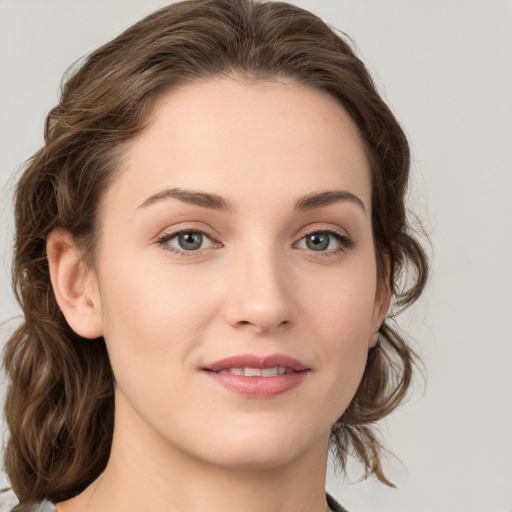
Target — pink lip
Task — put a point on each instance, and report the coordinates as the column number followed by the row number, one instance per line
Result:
column 252, row 361
column 258, row 387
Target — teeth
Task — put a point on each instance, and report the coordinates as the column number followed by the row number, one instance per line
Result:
column 270, row 372
column 232, row 371
column 256, row 372
column 252, row 372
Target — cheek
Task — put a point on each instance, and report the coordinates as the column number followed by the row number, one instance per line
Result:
column 344, row 301
column 340, row 317
column 151, row 329
column 153, row 317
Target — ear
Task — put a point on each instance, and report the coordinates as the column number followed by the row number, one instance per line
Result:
column 74, row 285
column 382, row 301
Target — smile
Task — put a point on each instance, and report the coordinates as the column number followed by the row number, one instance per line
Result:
column 276, row 374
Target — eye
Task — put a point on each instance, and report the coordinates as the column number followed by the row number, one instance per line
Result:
column 186, row 241
column 322, row 241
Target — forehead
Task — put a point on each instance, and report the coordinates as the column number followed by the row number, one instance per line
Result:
column 245, row 141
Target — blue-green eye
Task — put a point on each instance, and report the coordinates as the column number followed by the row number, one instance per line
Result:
column 318, row 241
column 186, row 241
column 190, row 241
column 321, row 241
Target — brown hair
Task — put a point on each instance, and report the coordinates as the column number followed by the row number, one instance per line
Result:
column 60, row 401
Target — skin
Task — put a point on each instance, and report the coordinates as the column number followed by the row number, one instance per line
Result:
column 181, row 441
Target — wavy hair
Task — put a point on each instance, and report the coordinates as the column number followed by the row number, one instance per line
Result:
column 60, row 400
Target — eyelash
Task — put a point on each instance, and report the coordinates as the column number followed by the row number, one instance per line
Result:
column 165, row 237
column 345, row 242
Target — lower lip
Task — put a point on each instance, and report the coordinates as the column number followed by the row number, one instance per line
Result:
column 259, row 387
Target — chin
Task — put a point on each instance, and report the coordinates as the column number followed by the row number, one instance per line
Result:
column 254, row 460
column 263, row 449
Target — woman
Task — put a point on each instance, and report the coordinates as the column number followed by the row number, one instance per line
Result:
column 206, row 250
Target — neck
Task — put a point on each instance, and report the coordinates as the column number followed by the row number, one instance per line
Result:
column 146, row 472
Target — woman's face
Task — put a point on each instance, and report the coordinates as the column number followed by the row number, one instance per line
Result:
column 236, row 274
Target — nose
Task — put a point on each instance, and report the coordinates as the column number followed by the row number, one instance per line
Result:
column 260, row 293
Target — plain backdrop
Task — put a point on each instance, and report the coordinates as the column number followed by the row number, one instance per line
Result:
column 445, row 68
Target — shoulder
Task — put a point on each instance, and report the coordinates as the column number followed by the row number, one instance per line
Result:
column 333, row 504
column 43, row 506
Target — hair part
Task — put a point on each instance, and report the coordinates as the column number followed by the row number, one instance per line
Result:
column 60, row 400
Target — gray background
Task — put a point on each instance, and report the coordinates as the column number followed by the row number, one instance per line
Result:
column 445, row 68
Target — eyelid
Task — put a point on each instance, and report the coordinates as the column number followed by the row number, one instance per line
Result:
column 184, row 227
column 325, row 229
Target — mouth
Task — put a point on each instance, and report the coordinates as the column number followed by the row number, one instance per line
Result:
column 277, row 364
column 256, row 372
column 258, row 377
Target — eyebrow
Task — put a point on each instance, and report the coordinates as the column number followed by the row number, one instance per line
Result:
column 321, row 199
column 216, row 202
column 204, row 199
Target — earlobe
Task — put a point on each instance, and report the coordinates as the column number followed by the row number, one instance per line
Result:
column 74, row 285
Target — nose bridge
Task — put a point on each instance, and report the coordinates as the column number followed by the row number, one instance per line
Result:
column 260, row 293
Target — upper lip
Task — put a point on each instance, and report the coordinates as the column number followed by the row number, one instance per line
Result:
column 254, row 361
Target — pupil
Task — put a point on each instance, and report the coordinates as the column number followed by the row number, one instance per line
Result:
column 190, row 240
column 317, row 241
